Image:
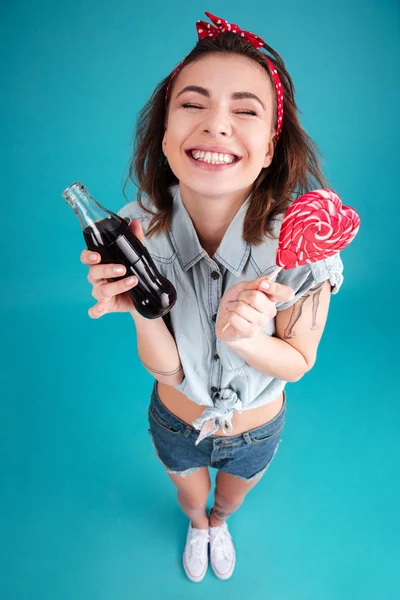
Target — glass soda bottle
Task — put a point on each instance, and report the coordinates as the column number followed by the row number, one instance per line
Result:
column 109, row 234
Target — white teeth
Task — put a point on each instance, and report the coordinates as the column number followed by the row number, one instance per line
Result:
column 213, row 157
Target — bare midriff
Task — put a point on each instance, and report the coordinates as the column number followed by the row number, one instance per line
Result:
column 186, row 410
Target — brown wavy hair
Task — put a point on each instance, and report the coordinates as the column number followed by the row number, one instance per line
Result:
column 294, row 169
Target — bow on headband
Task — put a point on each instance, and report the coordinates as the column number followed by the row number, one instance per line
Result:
column 204, row 29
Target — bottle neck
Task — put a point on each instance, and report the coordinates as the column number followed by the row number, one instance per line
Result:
column 84, row 205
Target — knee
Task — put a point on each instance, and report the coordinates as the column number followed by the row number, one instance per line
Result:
column 232, row 501
column 193, row 501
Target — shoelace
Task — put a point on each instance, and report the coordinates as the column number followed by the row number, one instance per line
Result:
column 198, row 542
column 222, row 546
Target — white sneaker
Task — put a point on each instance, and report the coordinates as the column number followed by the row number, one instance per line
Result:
column 195, row 556
column 222, row 551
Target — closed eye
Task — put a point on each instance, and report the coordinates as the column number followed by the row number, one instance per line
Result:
column 240, row 112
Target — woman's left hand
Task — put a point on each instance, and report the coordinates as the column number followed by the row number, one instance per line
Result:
column 248, row 308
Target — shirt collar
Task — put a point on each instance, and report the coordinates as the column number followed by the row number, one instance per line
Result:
column 233, row 250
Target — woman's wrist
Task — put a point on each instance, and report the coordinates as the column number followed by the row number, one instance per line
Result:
column 137, row 317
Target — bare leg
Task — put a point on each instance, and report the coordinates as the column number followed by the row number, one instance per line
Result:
column 229, row 495
column 193, row 492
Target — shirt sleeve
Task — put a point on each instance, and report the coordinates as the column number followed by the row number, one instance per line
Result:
column 132, row 210
column 305, row 277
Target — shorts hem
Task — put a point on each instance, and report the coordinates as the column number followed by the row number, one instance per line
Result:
column 257, row 475
column 184, row 473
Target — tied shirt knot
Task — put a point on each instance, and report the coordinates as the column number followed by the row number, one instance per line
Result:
column 218, row 416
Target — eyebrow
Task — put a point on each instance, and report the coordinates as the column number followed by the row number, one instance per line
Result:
column 207, row 94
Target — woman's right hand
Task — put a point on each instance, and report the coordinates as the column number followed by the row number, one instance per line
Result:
column 112, row 296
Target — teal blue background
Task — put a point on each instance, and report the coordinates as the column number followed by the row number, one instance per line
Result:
column 87, row 511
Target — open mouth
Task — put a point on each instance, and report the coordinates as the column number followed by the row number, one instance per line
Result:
column 198, row 158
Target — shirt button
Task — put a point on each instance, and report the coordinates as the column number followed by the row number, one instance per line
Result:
column 214, row 275
column 216, row 356
column 214, row 317
column 214, row 389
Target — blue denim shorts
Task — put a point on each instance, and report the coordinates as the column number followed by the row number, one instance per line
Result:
column 247, row 455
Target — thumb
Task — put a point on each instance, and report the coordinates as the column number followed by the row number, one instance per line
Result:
column 256, row 283
column 277, row 292
column 136, row 227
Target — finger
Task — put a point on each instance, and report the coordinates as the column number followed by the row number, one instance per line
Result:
column 90, row 258
column 249, row 313
column 98, row 310
column 105, row 271
column 106, row 291
column 277, row 292
column 137, row 229
column 243, row 326
column 258, row 301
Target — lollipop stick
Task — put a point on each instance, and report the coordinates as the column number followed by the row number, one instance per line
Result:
column 270, row 277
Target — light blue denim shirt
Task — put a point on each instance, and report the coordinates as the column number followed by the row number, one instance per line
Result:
column 214, row 375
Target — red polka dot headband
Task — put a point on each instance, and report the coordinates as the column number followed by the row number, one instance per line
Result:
column 204, row 29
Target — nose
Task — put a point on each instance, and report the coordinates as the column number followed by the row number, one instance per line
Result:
column 217, row 123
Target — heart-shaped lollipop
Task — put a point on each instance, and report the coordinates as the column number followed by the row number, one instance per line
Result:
column 315, row 226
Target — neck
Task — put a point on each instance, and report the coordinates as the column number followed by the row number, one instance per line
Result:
column 211, row 215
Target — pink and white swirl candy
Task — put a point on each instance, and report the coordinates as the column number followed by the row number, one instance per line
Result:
column 315, row 227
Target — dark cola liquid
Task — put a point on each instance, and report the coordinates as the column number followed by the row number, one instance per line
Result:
column 154, row 295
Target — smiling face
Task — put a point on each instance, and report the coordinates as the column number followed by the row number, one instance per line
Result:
column 233, row 108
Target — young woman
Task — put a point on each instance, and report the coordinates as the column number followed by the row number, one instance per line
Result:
column 219, row 154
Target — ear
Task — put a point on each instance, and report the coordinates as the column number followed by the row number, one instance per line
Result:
column 269, row 154
column 164, row 143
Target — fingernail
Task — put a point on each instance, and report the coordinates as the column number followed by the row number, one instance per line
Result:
column 265, row 285
column 130, row 280
column 118, row 269
column 92, row 256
